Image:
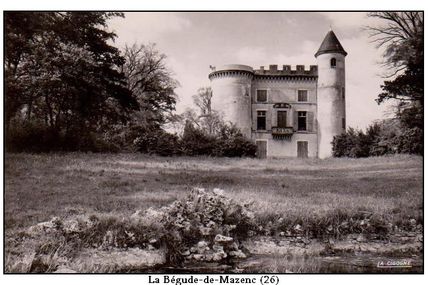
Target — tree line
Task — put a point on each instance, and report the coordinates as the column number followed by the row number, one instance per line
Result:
column 401, row 35
column 69, row 89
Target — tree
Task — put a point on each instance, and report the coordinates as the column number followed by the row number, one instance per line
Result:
column 151, row 84
column 209, row 119
column 61, row 72
column 401, row 36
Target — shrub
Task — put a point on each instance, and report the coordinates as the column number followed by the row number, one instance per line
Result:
column 231, row 143
column 387, row 137
column 196, row 142
column 228, row 142
column 157, row 142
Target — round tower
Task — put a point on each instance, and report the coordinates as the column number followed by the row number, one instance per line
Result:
column 331, row 106
column 231, row 87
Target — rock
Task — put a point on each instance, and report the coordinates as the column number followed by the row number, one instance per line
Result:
column 152, row 241
column 198, row 257
column 413, row 222
column 219, row 256
column 237, row 253
column 281, row 234
column 217, row 247
column 45, row 227
column 185, row 253
column 202, row 244
column 72, row 226
column 223, row 239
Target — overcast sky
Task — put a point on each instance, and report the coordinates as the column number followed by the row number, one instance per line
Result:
column 194, row 41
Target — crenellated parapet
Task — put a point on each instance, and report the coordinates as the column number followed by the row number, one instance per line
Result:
column 272, row 73
column 287, row 70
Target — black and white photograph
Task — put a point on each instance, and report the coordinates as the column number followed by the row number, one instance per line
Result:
column 224, row 143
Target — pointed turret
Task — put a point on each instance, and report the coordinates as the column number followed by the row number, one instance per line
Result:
column 330, row 44
column 331, row 107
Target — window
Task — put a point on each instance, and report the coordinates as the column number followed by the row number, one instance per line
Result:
column 302, row 95
column 333, row 62
column 261, row 120
column 282, row 119
column 261, row 96
column 301, row 120
column 343, row 123
column 343, row 92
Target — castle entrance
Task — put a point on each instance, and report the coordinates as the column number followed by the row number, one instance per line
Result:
column 302, row 149
column 261, row 149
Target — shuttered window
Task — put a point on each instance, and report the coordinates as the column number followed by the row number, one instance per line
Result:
column 261, row 96
column 333, row 62
column 302, row 121
column 282, row 119
column 302, row 96
column 261, row 120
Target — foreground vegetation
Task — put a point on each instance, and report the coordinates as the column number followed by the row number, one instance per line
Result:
column 312, row 198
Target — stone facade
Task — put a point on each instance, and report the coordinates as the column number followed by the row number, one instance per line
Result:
column 287, row 112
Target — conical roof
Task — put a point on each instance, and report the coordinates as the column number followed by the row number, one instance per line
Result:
column 330, row 44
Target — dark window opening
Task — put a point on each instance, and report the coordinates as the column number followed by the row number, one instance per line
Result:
column 343, row 123
column 261, row 96
column 343, row 92
column 301, row 121
column 333, row 62
column 302, row 96
column 282, row 119
column 261, row 120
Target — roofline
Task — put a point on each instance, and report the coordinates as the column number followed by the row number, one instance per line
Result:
column 330, row 51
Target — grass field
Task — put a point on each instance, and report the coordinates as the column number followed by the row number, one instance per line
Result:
column 41, row 186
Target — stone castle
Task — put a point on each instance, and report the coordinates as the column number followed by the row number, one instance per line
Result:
column 287, row 112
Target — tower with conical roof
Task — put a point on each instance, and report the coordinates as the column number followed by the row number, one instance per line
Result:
column 331, row 113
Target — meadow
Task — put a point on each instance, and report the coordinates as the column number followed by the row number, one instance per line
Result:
column 40, row 186
column 98, row 209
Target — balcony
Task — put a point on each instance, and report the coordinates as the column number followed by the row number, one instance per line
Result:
column 282, row 133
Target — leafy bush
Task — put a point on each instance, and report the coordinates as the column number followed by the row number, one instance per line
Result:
column 35, row 137
column 228, row 142
column 387, row 137
column 157, row 142
column 231, row 143
column 196, row 142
